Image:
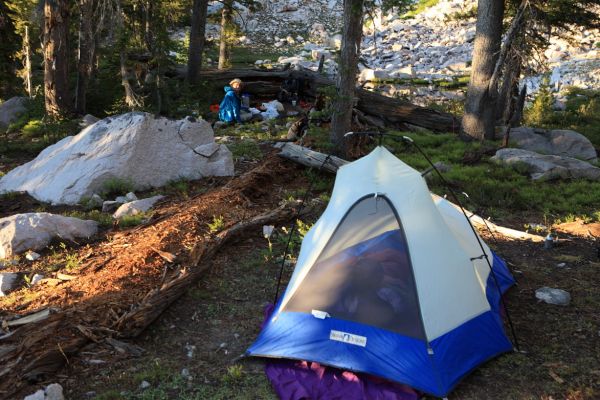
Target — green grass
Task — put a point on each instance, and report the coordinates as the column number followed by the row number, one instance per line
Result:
column 247, row 149
column 103, row 219
column 419, row 7
column 114, row 187
column 499, row 190
column 217, row 224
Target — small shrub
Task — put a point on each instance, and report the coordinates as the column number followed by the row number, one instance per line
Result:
column 127, row 221
column 541, row 112
column 116, row 187
column 217, row 224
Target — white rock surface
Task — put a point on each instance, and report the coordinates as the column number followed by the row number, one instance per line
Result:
column 136, row 207
column 32, row 256
column 54, row 391
column 558, row 142
column 557, row 297
column 547, row 167
column 136, row 147
column 10, row 111
column 33, row 231
column 9, row 281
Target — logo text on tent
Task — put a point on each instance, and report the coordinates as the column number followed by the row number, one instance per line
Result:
column 345, row 337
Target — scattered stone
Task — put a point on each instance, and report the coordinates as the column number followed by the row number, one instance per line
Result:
column 136, row 146
column 555, row 142
column 553, row 296
column 10, row 111
column 9, row 281
column 54, row 391
column 547, row 167
column 131, row 196
column 136, row 207
column 33, row 231
column 561, row 265
column 36, row 278
column 145, row 385
column 185, row 374
column 110, row 206
column 121, row 199
column 32, row 256
column 95, row 201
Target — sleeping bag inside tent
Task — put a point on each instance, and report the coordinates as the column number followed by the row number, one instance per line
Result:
column 392, row 282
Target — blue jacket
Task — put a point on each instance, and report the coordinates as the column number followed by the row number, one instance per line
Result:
column 229, row 109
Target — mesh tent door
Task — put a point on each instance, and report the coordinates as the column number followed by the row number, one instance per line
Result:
column 364, row 273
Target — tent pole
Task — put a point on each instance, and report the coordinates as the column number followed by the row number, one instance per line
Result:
column 512, row 328
column 293, row 228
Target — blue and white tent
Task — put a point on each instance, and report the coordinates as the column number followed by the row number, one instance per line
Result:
column 391, row 281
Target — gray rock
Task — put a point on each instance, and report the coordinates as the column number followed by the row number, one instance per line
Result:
column 545, row 167
column 136, row 207
column 131, row 196
column 9, row 281
column 110, row 206
column 555, row 142
column 121, row 199
column 95, row 201
column 558, row 297
column 36, row 278
column 88, row 120
column 33, row 231
column 32, row 256
column 10, row 111
column 136, row 147
column 54, row 391
column 39, row 395
column 145, row 385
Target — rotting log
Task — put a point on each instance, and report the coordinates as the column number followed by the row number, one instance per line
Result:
column 393, row 112
column 315, row 159
column 310, row 158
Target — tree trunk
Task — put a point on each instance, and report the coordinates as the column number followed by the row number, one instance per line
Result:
column 479, row 119
column 346, row 80
column 86, row 53
column 199, row 13
column 56, row 85
column 27, row 51
column 226, row 33
column 509, row 90
column 131, row 99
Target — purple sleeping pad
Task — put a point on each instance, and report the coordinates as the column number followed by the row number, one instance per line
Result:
column 305, row 380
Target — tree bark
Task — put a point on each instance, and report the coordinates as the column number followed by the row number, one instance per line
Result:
column 27, row 51
column 199, row 13
column 225, row 39
column 346, row 79
column 131, row 99
column 479, row 119
column 56, row 85
column 86, row 53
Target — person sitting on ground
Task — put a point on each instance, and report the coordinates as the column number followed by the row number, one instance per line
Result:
column 230, row 107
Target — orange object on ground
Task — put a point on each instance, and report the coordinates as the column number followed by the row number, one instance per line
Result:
column 214, row 108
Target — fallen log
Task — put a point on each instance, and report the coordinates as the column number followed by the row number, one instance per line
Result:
column 393, row 112
column 315, row 159
column 309, row 158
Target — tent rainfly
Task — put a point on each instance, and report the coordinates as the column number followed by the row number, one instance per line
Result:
column 392, row 282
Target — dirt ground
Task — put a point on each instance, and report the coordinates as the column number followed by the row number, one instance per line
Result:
column 192, row 351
